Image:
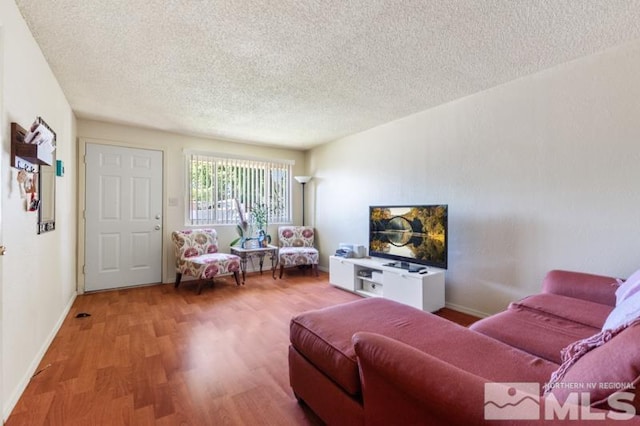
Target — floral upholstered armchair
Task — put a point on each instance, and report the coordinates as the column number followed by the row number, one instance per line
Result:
column 297, row 247
column 197, row 256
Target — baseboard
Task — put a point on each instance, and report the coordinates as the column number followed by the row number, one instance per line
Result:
column 17, row 393
column 466, row 310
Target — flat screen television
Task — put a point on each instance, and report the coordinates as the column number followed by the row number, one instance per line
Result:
column 415, row 234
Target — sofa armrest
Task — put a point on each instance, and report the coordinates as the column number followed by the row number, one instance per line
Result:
column 595, row 288
column 402, row 385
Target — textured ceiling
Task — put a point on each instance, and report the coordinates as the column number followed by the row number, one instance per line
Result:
column 297, row 73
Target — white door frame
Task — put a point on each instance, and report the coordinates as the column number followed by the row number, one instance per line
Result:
column 82, row 148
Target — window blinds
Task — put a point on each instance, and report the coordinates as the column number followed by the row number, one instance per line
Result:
column 216, row 182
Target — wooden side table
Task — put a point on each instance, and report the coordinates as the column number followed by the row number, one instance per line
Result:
column 260, row 253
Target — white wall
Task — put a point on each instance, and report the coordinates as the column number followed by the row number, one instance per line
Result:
column 2, row 143
column 539, row 173
column 38, row 273
column 90, row 131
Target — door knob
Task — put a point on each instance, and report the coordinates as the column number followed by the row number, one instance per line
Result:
column 157, row 227
column 3, row 250
column 157, row 216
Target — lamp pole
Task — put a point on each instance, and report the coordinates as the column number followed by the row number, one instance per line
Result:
column 303, row 180
column 303, row 184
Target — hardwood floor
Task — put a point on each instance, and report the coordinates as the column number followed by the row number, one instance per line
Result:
column 458, row 317
column 159, row 356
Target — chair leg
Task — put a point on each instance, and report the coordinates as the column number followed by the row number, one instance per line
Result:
column 178, row 278
column 200, row 284
column 236, row 275
column 281, row 270
column 315, row 268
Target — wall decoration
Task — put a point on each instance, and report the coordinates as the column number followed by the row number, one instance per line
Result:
column 33, row 153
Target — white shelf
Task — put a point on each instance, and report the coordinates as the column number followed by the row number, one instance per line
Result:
column 422, row 291
column 371, row 280
column 367, row 293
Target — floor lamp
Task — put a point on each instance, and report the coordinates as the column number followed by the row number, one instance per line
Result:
column 303, row 180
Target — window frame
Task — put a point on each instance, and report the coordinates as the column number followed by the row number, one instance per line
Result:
column 251, row 174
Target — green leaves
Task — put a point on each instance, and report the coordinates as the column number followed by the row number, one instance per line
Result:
column 260, row 216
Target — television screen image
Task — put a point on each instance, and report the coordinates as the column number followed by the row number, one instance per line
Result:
column 413, row 234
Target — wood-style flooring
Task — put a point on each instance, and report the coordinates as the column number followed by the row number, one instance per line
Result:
column 160, row 356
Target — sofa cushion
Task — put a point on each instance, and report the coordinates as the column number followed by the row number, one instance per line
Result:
column 324, row 338
column 627, row 303
column 628, row 288
column 601, row 367
column 584, row 312
column 533, row 331
column 625, row 312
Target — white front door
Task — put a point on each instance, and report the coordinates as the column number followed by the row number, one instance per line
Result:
column 123, row 222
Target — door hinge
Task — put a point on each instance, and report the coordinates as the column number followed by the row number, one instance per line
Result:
column 84, row 270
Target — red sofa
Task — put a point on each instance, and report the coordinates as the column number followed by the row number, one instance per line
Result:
column 377, row 362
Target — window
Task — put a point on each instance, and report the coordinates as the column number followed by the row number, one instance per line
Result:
column 214, row 183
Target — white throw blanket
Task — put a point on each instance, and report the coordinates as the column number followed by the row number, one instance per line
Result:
column 627, row 303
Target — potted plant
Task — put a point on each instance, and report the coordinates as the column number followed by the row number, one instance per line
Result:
column 260, row 216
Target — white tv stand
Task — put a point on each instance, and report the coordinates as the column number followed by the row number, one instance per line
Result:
column 370, row 277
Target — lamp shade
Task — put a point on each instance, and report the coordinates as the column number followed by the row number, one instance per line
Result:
column 303, row 179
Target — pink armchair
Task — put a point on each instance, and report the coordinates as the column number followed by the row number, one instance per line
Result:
column 197, row 256
column 297, row 247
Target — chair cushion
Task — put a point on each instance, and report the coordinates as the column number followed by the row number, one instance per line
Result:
column 323, row 337
column 290, row 256
column 209, row 265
